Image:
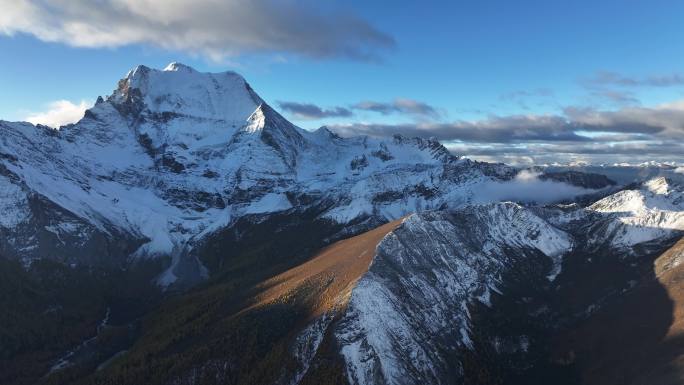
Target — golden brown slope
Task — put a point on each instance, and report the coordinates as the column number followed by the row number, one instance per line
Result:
column 325, row 281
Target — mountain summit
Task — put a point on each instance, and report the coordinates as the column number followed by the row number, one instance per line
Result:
column 180, row 90
column 173, row 156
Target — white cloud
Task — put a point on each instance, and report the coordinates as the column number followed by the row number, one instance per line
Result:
column 527, row 187
column 679, row 170
column 216, row 29
column 59, row 113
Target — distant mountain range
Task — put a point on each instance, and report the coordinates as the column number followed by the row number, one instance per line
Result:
column 623, row 173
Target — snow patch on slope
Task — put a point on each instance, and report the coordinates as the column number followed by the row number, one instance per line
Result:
column 13, row 204
column 269, row 203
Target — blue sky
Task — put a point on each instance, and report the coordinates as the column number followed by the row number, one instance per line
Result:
column 469, row 64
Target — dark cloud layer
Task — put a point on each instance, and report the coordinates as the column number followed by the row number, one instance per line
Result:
column 497, row 130
column 628, row 132
column 214, row 28
column 409, row 107
column 666, row 121
column 400, row 105
column 308, row 111
column 629, row 149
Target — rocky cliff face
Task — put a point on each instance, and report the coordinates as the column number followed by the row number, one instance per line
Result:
column 408, row 318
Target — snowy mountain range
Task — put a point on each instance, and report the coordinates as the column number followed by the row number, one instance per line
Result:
column 409, row 315
column 448, row 296
column 623, row 173
column 174, row 155
column 313, row 258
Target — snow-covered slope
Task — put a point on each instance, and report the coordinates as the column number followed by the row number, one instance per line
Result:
column 410, row 311
column 407, row 318
column 174, row 155
column 652, row 211
column 637, row 216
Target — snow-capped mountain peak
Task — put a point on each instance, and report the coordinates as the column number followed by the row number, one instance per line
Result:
column 179, row 90
column 659, row 185
column 655, row 194
column 651, row 211
column 174, row 155
column 176, row 66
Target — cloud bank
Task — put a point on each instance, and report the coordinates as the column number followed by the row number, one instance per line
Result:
column 216, row 29
column 399, row 105
column 528, row 188
column 410, row 107
column 666, row 121
column 308, row 111
column 626, row 133
column 59, row 113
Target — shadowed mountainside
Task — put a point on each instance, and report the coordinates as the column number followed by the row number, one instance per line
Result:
column 238, row 329
column 636, row 338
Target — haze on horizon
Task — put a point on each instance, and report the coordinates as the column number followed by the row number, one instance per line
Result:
column 519, row 82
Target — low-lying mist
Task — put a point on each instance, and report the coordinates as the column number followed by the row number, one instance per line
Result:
column 526, row 187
